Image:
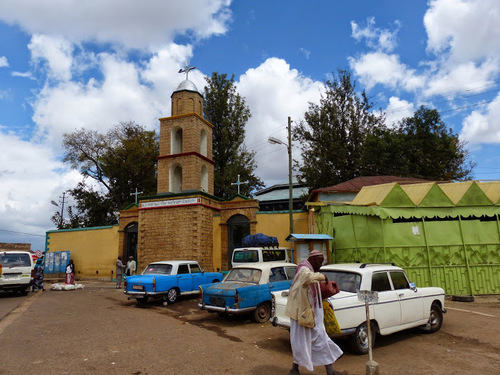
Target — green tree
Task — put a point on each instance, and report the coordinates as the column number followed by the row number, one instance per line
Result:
column 226, row 110
column 420, row 146
column 333, row 133
column 120, row 161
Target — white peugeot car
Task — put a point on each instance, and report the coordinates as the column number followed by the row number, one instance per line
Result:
column 401, row 305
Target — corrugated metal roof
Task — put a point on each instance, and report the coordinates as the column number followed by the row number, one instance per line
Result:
column 281, row 194
column 356, row 184
column 301, row 237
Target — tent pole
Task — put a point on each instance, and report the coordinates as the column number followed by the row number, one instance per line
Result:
column 428, row 251
column 465, row 254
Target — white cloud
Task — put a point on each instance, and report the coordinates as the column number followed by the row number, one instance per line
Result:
column 380, row 68
column 56, row 52
column 397, row 110
column 467, row 77
column 482, row 126
column 3, row 62
column 154, row 23
column 305, row 52
column 127, row 92
column 275, row 92
column 30, row 177
column 376, row 38
column 463, row 29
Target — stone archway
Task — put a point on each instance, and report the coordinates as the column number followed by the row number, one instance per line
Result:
column 238, row 226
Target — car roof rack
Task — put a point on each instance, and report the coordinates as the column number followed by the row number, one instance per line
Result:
column 376, row 264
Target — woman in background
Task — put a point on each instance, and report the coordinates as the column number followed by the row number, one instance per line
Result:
column 39, row 271
column 70, row 273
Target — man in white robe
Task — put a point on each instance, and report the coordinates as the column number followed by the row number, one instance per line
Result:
column 311, row 346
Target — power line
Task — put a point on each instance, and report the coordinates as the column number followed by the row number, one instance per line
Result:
column 27, row 234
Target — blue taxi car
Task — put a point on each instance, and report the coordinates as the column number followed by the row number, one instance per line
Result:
column 247, row 289
column 168, row 279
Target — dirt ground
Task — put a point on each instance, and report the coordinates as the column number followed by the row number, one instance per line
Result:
column 96, row 330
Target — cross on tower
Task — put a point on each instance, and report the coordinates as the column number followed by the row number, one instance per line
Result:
column 187, row 69
column 239, row 183
column 136, row 194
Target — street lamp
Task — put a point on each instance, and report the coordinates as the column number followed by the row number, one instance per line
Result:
column 62, row 208
column 277, row 141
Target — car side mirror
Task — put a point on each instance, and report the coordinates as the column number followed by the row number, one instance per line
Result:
column 413, row 287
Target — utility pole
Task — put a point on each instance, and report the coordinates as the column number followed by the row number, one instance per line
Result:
column 290, row 184
column 288, row 146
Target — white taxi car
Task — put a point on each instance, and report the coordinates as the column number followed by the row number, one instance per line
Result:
column 16, row 271
column 401, row 305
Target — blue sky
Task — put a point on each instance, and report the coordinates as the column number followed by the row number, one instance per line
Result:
column 68, row 64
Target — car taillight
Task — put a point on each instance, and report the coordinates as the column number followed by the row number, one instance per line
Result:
column 200, row 294
column 32, row 273
column 125, row 284
column 154, row 284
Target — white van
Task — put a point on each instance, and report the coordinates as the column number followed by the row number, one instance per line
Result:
column 249, row 255
column 16, row 271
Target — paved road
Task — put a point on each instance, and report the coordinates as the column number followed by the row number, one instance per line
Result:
column 8, row 302
column 98, row 331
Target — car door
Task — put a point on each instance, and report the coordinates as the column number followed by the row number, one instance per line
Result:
column 387, row 310
column 198, row 277
column 411, row 301
column 184, row 278
column 278, row 279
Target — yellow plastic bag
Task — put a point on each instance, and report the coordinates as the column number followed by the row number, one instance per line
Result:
column 331, row 325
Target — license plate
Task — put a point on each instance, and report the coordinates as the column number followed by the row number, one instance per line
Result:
column 138, row 287
column 220, row 302
column 11, row 275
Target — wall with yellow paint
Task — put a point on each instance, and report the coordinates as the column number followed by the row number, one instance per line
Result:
column 278, row 225
column 93, row 250
column 217, row 250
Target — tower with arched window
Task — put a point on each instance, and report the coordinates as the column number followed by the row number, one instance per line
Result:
column 185, row 162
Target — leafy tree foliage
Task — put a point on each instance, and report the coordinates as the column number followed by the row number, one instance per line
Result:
column 420, row 146
column 333, row 133
column 341, row 138
column 226, row 110
column 120, row 161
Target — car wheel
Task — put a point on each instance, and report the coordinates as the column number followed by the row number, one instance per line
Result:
column 435, row 319
column 359, row 341
column 262, row 313
column 142, row 299
column 21, row 291
column 172, row 295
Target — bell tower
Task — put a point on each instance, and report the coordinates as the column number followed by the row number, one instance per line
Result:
column 185, row 161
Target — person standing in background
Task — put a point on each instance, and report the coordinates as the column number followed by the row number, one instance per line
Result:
column 70, row 273
column 131, row 266
column 39, row 271
column 120, row 267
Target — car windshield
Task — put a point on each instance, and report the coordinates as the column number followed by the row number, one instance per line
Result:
column 244, row 275
column 15, row 260
column 346, row 281
column 164, row 269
